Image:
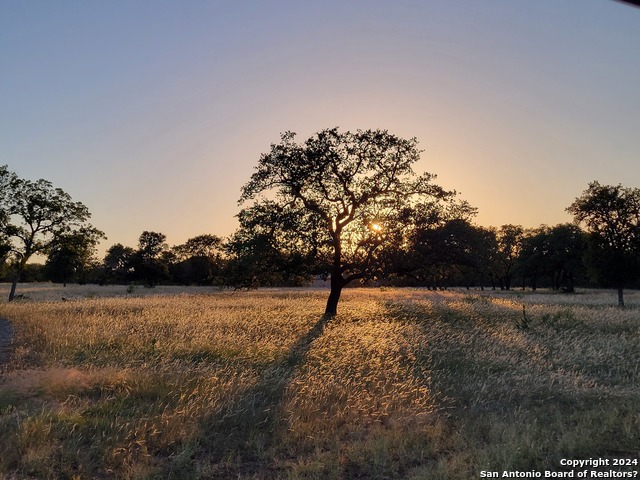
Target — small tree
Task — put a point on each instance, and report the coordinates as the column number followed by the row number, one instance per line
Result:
column 118, row 263
column 532, row 261
column 205, row 245
column 445, row 250
column 338, row 196
column 509, row 244
column 566, row 247
column 72, row 254
column 36, row 215
column 611, row 215
column 267, row 251
column 198, row 260
column 554, row 254
column 148, row 263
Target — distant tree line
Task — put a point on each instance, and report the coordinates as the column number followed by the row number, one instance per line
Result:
column 341, row 206
column 450, row 252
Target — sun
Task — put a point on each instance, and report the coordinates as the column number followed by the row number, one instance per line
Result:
column 376, row 227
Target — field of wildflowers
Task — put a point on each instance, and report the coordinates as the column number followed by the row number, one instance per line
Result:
column 403, row 383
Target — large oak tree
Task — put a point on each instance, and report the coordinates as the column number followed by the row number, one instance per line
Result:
column 337, row 199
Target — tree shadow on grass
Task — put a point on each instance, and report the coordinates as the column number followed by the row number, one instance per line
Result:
column 6, row 339
column 503, row 382
column 238, row 439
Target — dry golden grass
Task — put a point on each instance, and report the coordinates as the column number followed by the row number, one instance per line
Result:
column 401, row 384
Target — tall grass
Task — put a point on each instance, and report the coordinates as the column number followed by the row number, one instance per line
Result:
column 401, row 384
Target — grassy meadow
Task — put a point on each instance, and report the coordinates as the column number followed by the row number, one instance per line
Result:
column 402, row 383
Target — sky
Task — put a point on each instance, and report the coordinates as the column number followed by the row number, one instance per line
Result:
column 154, row 113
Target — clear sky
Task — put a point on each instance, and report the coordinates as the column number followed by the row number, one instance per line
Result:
column 154, row 113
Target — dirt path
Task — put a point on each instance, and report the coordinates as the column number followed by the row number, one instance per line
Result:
column 6, row 337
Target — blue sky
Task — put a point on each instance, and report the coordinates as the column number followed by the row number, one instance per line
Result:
column 154, row 113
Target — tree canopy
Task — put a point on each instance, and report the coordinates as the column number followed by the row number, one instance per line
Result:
column 72, row 254
column 118, row 263
column 147, row 261
column 34, row 215
column 337, row 200
column 611, row 214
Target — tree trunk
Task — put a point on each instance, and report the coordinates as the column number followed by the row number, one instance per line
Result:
column 620, row 297
column 16, row 279
column 337, row 283
column 570, row 285
column 14, row 284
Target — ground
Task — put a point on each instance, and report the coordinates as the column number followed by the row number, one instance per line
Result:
column 105, row 382
column 6, row 335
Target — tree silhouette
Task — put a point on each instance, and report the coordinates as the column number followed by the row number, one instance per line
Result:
column 275, row 245
column 566, row 246
column 205, row 245
column 118, row 263
column 509, row 243
column 336, row 199
column 198, row 260
column 72, row 254
column 611, row 215
column 147, row 261
column 442, row 248
column 35, row 215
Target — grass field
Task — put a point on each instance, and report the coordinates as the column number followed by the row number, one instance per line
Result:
column 401, row 384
